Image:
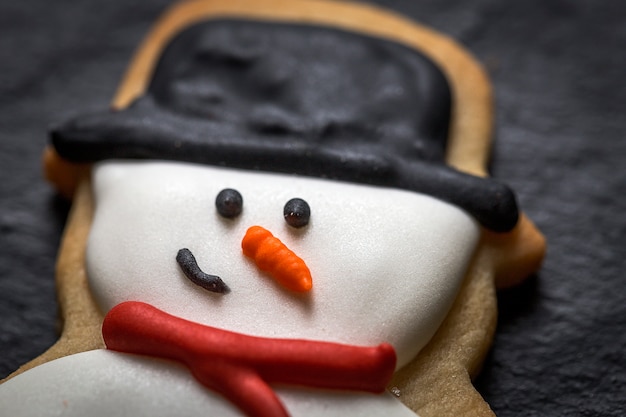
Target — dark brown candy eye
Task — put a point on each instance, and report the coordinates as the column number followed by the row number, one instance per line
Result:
column 229, row 203
column 297, row 212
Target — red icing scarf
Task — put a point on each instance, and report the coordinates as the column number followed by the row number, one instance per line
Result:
column 241, row 367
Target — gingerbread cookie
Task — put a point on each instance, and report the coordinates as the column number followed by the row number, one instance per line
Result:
column 286, row 214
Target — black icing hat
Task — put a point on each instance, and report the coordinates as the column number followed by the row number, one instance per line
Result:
column 297, row 99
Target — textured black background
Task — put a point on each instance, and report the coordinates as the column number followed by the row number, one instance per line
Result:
column 558, row 70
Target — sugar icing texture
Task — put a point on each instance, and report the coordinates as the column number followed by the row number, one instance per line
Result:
column 297, row 99
column 241, row 367
column 332, row 145
column 382, row 272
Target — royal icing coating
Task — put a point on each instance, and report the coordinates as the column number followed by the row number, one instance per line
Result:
column 242, row 367
column 190, row 268
column 345, row 106
column 274, row 257
column 386, row 263
column 103, row 383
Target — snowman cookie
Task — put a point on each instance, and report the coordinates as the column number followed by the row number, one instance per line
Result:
column 286, row 214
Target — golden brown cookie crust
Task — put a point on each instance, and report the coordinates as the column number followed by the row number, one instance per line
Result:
column 438, row 381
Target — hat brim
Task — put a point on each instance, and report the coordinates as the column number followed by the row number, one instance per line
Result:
column 147, row 131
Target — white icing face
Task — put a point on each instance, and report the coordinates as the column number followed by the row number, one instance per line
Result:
column 386, row 264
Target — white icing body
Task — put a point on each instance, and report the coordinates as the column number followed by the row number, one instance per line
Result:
column 386, row 267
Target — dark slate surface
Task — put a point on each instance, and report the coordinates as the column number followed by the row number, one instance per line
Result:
column 557, row 68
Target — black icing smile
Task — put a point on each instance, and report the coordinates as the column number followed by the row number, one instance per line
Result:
column 190, row 268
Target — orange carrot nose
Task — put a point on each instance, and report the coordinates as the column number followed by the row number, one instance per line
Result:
column 272, row 256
